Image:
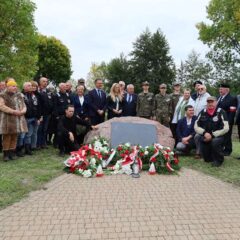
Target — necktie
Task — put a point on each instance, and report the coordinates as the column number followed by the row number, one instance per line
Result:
column 99, row 93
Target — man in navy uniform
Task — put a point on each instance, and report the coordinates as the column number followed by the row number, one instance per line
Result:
column 130, row 102
column 229, row 104
column 97, row 103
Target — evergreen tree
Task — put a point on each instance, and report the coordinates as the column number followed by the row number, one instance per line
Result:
column 151, row 60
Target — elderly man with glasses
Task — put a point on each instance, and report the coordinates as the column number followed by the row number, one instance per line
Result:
column 201, row 101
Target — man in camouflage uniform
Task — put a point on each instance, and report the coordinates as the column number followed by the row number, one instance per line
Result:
column 175, row 95
column 163, row 106
column 145, row 102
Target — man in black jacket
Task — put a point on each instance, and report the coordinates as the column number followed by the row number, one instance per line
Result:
column 60, row 101
column 67, row 126
column 212, row 125
column 46, row 98
column 229, row 104
column 32, row 115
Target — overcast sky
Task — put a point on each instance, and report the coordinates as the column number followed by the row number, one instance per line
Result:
column 99, row 30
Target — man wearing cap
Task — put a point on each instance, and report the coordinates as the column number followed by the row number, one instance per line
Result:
column 81, row 82
column 145, row 102
column 211, row 125
column 12, row 120
column 163, row 106
column 229, row 104
column 196, row 84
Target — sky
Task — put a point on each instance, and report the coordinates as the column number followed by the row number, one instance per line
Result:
column 99, row 30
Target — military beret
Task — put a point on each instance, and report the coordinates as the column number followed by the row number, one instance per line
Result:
column 197, row 82
column 81, row 80
column 177, row 84
column 224, row 85
column 146, row 83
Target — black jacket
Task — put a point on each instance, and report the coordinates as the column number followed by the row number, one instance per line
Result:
column 61, row 101
column 228, row 103
column 46, row 99
column 217, row 124
column 113, row 105
column 66, row 125
column 32, row 102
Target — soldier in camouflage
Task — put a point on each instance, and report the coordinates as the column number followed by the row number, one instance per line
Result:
column 163, row 106
column 145, row 102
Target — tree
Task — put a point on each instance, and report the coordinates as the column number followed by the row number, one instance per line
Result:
column 18, row 40
column 96, row 71
column 151, row 60
column 193, row 69
column 222, row 35
column 118, row 69
column 54, row 60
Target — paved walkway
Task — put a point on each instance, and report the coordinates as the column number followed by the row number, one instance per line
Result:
column 189, row 206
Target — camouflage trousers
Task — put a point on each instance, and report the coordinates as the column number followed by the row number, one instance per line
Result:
column 163, row 119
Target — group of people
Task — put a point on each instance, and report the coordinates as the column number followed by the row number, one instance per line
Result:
column 38, row 115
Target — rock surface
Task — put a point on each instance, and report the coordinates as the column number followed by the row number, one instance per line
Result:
column 104, row 130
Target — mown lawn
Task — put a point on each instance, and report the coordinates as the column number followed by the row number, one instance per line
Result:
column 229, row 171
column 21, row 176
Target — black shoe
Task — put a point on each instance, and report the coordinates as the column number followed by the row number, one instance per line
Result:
column 12, row 154
column 19, row 152
column 226, row 154
column 238, row 158
column 216, row 164
column 6, row 156
column 28, row 150
column 61, row 154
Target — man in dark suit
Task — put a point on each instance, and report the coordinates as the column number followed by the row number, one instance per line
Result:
column 97, row 103
column 130, row 102
column 185, row 131
column 229, row 104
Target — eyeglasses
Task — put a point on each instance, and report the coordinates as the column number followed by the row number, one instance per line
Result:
column 201, row 89
column 162, row 88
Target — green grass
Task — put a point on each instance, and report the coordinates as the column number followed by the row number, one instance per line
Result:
column 228, row 172
column 21, row 176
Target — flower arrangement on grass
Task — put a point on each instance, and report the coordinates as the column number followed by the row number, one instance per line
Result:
column 89, row 159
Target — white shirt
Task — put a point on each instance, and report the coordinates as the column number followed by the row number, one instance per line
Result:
column 81, row 99
column 201, row 103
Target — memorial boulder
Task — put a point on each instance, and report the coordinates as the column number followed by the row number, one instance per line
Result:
column 134, row 130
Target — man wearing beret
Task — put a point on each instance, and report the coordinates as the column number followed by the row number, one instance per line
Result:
column 211, row 125
column 145, row 102
column 229, row 104
column 196, row 84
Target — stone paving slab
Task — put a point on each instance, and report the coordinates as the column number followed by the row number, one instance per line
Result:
column 189, row 206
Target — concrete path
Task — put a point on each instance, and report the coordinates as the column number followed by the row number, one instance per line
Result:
column 189, row 206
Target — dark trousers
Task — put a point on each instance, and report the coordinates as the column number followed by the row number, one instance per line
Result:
column 173, row 127
column 95, row 120
column 64, row 143
column 228, row 141
column 42, row 131
column 213, row 151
